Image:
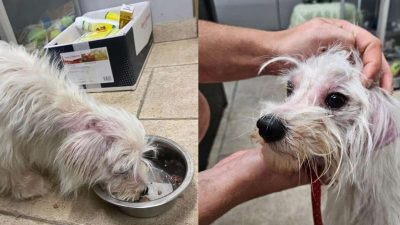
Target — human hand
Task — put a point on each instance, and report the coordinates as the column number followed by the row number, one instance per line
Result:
column 254, row 172
column 311, row 37
column 240, row 177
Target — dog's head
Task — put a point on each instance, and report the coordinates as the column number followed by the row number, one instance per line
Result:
column 329, row 120
column 106, row 146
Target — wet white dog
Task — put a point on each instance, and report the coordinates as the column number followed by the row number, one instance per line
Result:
column 49, row 127
column 346, row 133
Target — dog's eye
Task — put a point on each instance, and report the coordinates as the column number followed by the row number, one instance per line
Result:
column 335, row 100
column 289, row 88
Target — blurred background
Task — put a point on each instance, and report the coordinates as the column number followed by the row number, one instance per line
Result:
column 234, row 105
column 34, row 23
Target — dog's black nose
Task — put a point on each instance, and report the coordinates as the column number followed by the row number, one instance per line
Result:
column 271, row 128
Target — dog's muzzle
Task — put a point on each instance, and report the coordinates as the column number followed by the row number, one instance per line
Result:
column 271, row 128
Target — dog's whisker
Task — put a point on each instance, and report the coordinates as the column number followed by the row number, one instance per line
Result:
column 246, row 133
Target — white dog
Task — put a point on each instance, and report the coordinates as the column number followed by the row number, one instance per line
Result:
column 346, row 133
column 51, row 129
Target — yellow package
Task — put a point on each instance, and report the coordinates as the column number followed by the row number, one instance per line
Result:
column 97, row 26
column 112, row 16
column 126, row 15
column 113, row 32
column 90, row 24
column 90, row 36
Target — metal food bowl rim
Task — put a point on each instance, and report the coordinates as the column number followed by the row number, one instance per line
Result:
column 163, row 200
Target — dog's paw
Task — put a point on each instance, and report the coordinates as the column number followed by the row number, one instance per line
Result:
column 30, row 186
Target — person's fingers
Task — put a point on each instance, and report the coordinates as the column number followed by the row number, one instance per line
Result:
column 369, row 47
column 375, row 64
column 372, row 59
column 337, row 35
column 386, row 81
column 315, row 37
column 344, row 38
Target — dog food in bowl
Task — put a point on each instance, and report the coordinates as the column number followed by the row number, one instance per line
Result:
column 168, row 176
column 172, row 174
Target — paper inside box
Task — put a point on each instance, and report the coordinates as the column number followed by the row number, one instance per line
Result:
column 72, row 33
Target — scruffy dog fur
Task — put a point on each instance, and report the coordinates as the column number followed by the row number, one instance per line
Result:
column 53, row 133
column 344, row 132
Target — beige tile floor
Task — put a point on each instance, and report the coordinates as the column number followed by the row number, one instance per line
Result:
column 290, row 207
column 166, row 102
column 11, row 220
column 176, row 30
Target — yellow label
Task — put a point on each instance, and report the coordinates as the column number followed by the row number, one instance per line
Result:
column 90, row 36
column 112, row 16
column 97, row 26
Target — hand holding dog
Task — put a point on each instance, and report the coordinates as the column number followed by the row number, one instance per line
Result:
column 317, row 34
column 244, row 49
column 238, row 178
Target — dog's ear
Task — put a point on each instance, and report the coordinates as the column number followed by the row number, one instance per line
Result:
column 382, row 120
column 82, row 150
column 352, row 56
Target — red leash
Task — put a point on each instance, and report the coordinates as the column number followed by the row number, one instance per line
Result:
column 316, row 199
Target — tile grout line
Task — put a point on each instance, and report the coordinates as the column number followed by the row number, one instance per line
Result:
column 192, row 38
column 228, row 118
column 185, row 39
column 145, row 93
column 177, row 65
column 147, row 87
column 32, row 218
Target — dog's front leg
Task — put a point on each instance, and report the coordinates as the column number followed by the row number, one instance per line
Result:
column 23, row 185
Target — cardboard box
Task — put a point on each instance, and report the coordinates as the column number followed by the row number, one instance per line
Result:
column 111, row 63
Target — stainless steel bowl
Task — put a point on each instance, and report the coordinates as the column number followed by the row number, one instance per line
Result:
column 167, row 149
